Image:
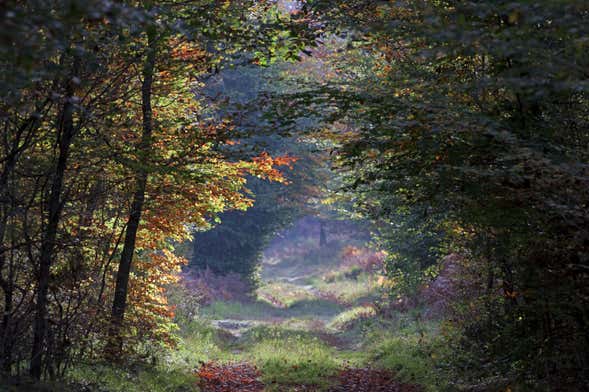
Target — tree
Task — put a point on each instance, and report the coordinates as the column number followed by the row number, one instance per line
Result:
column 235, row 244
column 91, row 174
column 466, row 126
column 143, row 150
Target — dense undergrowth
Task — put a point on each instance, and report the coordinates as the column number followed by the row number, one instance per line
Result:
column 286, row 358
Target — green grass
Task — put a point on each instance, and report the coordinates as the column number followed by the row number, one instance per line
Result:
column 286, row 357
column 286, row 346
column 200, row 342
column 289, row 358
column 287, row 293
column 221, row 310
column 349, row 317
column 102, row 377
column 260, row 310
column 351, row 291
column 412, row 353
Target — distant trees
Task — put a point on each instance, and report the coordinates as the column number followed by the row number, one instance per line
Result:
column 235, row 244
column 104, row 157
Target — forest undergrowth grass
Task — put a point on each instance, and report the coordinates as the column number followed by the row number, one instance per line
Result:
column 235, row 310
column 288, row 357
column 305, row 341
column 414, row 350
column 98, row 377
column 283, row 294
column 312, row 308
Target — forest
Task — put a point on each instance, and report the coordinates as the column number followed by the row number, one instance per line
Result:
column 294, row 195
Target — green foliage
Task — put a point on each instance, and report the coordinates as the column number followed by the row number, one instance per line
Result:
column 466, row 131
column 79, row 180
column 237, row 243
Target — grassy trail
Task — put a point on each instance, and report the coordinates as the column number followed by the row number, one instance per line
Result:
column 314, row 324
column 306, row 331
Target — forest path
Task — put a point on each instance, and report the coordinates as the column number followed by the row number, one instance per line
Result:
column 245, row 377
column 290, row 297
column 305, row 328
column 295, row 301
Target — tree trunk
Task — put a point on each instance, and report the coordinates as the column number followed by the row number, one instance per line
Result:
column 66, row 132
column 12, row 148
column 120, row 296
column 5, row 283
column 322, row 234
column 8, row 290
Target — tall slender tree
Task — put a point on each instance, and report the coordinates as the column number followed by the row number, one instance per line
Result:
column 141, row 176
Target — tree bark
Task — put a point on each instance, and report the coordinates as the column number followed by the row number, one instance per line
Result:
column 5, row 283
column 65, row 135
column 120, row 296
column 21, row 140
column 322, row 234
